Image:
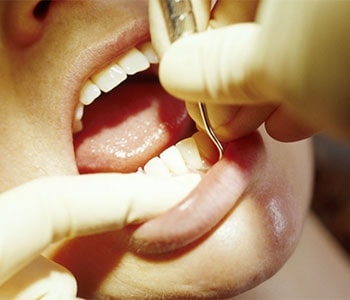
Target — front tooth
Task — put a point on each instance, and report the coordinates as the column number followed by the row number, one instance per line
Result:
column 172, row 158
column 89, row 93
column 190, row 153
column 133, row 61
column 156, row 167
column 109, row 78
column 148, row 51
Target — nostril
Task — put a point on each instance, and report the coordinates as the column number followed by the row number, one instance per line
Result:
column 41, row 9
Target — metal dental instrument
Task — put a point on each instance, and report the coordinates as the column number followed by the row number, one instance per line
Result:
column 181, row 22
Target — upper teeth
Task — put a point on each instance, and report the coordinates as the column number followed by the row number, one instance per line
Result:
column 132, row 62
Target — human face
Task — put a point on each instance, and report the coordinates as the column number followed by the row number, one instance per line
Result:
column 47, row 57
column 71, row 42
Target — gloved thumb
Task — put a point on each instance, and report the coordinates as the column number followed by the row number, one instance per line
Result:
column 217, row 66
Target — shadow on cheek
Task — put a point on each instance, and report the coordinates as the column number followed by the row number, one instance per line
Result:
column 95, row 259
column 92, row 259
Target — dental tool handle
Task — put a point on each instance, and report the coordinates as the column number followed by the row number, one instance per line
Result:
column 181, row 22
column 179, row 18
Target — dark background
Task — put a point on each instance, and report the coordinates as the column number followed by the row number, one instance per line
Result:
column 331, row 200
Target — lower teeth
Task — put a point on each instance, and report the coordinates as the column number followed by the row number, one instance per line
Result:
column 183, row 158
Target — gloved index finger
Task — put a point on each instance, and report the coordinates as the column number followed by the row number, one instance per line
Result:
column 226, row 12
column 201, row 11
column 54, row 208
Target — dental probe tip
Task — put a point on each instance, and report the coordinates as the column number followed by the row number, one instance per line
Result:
column 209, row 129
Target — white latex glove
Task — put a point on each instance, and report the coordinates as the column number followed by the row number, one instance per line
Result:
column 36, row 214
column 297, row 53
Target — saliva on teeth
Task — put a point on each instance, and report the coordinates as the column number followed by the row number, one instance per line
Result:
column 136, row 60
column 182, row 158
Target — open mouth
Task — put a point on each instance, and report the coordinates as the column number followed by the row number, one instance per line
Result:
column 125, row 122
column 124, row 118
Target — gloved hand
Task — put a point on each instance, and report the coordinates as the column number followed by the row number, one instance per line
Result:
column 38, row 213
column 293, row 58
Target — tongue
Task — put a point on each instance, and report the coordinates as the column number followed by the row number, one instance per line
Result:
column 129, row 126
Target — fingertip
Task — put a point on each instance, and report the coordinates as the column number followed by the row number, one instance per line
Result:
column 286, row 126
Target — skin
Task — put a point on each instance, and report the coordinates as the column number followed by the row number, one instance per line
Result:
column 248, row 246
column 40, row 57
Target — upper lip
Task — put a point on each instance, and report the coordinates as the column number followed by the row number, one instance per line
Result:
column 95, row 58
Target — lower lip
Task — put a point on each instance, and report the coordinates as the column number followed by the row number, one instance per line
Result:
column 207, row 205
